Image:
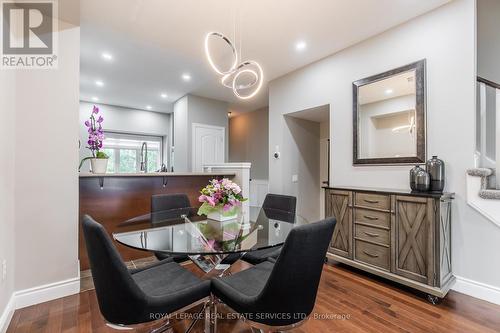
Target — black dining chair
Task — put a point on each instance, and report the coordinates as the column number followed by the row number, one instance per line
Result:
column 280, row 296
column 132, row 297
column 274, row 204
column 160, row 205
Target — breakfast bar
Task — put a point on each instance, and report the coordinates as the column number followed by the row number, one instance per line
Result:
column 114, row 198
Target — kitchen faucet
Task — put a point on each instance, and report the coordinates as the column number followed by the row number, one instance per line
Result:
column 144, row 157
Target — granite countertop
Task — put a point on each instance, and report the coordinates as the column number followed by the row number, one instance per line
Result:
column 394, row 191
column 157, row 174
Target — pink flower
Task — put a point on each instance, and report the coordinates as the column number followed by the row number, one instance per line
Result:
column 95, row 110
column 211, row 201
column 210, row 244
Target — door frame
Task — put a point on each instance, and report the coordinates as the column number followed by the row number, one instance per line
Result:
column 194, row 126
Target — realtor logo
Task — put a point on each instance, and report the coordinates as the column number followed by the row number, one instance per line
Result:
column 28, row 34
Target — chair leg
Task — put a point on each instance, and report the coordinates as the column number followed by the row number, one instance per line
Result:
column 211, row 316
column 202, row 311
column 165, row 327
column 256, row 330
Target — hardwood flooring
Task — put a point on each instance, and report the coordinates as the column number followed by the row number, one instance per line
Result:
column 348, row 301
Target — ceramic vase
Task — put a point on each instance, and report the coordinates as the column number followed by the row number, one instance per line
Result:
column 218, row 216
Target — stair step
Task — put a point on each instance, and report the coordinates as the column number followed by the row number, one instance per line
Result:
column 485, row 192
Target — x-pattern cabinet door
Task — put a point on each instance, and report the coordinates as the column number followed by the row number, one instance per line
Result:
column 339, row 205
column 414, row 233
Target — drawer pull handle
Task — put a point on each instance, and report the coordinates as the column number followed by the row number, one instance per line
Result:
column 371, row 201
column 370, row 255
column 371, row 234
column 373, row 218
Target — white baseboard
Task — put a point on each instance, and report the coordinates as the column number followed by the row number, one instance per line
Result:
column 477, row 289
column 48, row 292
column 7, row 315
column 36, row 295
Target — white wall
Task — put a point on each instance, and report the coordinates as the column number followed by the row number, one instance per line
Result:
column 181, row 134
column 195, row 109
column 209, row 112
column 324, row 136
column 303, row 160
column 248, row 141
column 7, row 174
column 125, row 120
column 446, row 37
column 488, row 39
column 46, row 161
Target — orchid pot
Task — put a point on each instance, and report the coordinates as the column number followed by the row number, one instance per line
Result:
column 99, row 165
column 221, row 200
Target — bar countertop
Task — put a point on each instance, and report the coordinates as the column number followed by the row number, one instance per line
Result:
column 157, row 174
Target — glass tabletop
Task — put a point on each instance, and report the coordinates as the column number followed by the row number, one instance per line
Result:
column 183, row 231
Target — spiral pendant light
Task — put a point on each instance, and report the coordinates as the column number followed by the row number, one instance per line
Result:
column 231, row 76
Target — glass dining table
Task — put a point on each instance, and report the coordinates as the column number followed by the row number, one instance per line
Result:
column 212, row 245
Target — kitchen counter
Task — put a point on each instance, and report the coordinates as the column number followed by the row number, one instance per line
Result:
column 157, row 174
column 113, row 198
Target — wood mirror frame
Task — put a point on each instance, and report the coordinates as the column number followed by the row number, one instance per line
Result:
column 420, row 115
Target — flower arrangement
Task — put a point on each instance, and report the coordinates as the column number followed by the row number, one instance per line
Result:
column 220, row 196
column 96, row 136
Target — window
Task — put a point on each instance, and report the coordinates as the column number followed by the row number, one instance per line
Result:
column 124, row 151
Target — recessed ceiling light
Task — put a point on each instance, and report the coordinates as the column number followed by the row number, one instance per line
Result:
column 186, row 77
column 149, row 107
column 107, row 56
column 163, row 95
column 99, row 83
column 95, row 99
column 389, row 91
column 300, row 45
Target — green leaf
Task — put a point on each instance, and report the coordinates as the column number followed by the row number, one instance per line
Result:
column 101, row 154
column 83, row 160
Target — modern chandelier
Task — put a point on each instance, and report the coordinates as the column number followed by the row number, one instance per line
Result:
column 231, row 77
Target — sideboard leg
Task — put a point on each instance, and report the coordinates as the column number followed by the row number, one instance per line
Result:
column 433, row 299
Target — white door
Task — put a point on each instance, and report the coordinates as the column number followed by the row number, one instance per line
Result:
column 208, row 145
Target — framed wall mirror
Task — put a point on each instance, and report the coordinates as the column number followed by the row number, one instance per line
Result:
column 389, row 117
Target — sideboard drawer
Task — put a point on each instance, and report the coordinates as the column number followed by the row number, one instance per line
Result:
column 372, row 218
column 373, row 254
column 371, row 234
column 369, row 200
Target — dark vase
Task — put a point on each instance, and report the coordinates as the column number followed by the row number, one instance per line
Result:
column 422, row 181
column 435, row 168
column 413, row 175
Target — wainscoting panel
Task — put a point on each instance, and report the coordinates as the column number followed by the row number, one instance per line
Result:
column 259, row 188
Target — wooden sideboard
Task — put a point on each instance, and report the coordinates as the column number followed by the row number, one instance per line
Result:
column 399, row 235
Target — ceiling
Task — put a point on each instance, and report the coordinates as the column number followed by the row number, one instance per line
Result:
column 154, row 42
column 398, row 85
column 317, row 114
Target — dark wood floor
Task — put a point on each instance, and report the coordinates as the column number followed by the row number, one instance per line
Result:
column 348, row 301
